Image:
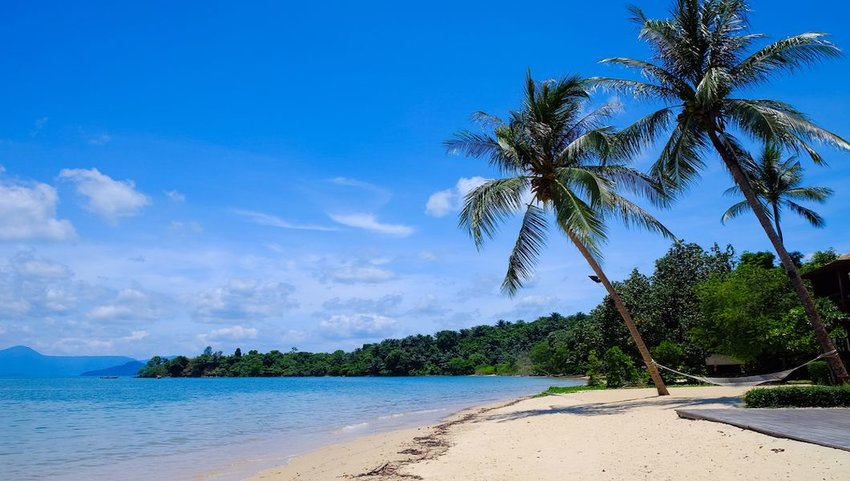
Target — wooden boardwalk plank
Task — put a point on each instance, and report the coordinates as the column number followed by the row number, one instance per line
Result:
column 826, row 427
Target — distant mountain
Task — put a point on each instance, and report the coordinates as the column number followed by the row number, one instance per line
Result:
column 129, row 369
column 22, row 361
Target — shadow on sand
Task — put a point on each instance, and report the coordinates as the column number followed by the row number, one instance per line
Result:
column 617, row 407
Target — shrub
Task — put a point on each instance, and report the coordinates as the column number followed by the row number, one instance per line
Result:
column 485, row 370
column 619, row 368
column 505, row 368
column 670, row 354
column 819, row 373
column 593, row 366
column 798, row 396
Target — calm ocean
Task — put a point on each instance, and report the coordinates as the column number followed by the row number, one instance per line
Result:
column 87, row 429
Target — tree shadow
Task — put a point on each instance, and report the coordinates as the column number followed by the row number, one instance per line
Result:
column 618, row 407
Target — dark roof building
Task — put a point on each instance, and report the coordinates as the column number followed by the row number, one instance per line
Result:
column 833, row 281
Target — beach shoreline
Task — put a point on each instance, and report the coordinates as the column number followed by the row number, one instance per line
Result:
column 599, row 435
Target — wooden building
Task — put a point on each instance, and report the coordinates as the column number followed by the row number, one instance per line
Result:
column 833, row 281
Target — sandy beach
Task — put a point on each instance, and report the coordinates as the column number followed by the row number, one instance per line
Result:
column 625, row 434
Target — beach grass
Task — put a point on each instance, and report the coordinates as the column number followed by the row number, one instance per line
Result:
column 553, row 390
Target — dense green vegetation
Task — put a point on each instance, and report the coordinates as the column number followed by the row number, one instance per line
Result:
column 696, row 302
column 798, row 397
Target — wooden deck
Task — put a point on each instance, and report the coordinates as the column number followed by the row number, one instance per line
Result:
column 826, row 427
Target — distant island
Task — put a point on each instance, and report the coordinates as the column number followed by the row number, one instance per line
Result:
column 22, row 361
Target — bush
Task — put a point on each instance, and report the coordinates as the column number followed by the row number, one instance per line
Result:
column 671, row 355
column 798, row 396
column 485, row 370
column 819, row 373
column 619, row 368
column 593, row 366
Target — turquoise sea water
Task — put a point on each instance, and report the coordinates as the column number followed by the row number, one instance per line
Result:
column 219, row 429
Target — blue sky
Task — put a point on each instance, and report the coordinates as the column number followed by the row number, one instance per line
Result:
column 214, row 173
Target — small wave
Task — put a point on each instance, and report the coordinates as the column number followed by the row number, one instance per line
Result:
column 398, row 415
column 352, row 427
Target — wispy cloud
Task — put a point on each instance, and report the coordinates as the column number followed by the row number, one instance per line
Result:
column 370, row 223
column 176, row 197
column 383, row 195
column 262, row 218
column 107, row 198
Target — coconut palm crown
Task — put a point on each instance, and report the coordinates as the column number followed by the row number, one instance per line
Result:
column 559, row 160
column 703, row 59
column 776, row 183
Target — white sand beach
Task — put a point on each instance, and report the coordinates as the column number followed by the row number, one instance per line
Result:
column 625, row 434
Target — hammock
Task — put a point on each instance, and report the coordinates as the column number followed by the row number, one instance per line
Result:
column 746, row 380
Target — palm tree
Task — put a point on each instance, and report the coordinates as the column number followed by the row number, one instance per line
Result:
column 558, row 159
column 702, row 59
column 776, row 184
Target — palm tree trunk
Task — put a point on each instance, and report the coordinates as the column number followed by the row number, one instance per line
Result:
column 822, row 336
column 624, row 312
column 776, row 221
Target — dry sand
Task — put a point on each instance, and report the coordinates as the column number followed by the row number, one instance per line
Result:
column 627, row 434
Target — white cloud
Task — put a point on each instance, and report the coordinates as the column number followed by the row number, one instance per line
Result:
column 538, row 301
column 247, row 299
column 191, row 227
column 380, row 305
column 99, row 139
column 346, row 326
column 274, row 221
column 447, row 201
column 176, row 197
column 364, row 274
column 27, row 265
column 369, row 222
column 382, row 196
column 235, row 333
column 427, row 256
column 130, row 304
column 135, row 336
column 107, row 198
column 28, row 212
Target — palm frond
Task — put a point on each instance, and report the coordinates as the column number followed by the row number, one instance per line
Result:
column 632, row 215
column 811, row 216
column 778, row 122
column 529, row 243
column 634, row 88
column 652, row 71
column 737, row 209
column 489, row 204
column 813, row 194
column 681, row 160
column 580, row 219
column 631, row 180
column 713, row 87
column 632, row 140
column 790, row 53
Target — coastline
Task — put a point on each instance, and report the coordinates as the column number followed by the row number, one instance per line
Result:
column 599, row 435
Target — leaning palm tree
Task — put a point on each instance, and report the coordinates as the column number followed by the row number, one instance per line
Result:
column 776, row 183
column 701, row 60
column 558, row 159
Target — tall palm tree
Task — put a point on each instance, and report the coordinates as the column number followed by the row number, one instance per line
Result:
column 558, row 159
column 701, row 60
column 776, row 183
